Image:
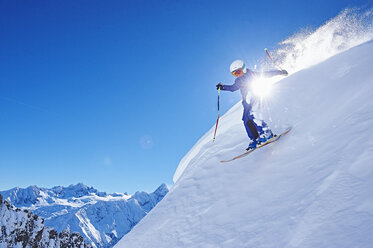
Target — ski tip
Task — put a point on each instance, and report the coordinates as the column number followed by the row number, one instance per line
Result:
column 225, row 161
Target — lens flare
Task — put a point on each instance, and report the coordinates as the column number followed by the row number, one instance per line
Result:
column 261, row 87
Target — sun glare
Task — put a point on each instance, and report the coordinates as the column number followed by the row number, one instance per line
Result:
column 261, row 87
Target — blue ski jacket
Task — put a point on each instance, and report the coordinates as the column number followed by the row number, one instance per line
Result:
column 243, row 83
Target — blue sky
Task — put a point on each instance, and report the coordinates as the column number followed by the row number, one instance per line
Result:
column 114, row 93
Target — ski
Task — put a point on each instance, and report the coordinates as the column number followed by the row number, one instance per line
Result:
column 264, row 144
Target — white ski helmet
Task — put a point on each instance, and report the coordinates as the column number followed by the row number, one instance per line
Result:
column 238, row 64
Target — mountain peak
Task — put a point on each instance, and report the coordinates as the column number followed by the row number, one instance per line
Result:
column 74, row 190
column 162, row 190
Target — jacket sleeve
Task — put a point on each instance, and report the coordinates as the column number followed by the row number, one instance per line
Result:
column 232, row 87
column 268, row 73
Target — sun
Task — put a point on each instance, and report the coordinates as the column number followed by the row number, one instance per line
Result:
column 261, row 87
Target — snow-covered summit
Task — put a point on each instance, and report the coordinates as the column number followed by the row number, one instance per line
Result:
column 311, row 189
column 101, row 218
column 77, row 190
column 38, row 196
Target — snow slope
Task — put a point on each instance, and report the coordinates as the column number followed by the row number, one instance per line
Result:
column 102, row 219
column 313, row 188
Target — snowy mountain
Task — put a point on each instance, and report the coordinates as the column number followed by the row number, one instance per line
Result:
column 101, row 218
column 22, row 228
column 312, row 188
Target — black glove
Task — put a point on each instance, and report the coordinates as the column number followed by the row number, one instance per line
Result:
column 219, row 86
column 284, row 72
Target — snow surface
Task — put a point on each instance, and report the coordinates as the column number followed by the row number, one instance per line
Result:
column 313, row 188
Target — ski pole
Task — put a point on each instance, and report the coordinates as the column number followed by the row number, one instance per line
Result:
column 265, row 49
column 217, row 121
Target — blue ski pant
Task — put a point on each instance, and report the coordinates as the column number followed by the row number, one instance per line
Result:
column 253, row 129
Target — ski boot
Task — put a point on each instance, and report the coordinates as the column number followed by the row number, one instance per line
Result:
column 253, row 144
column 265, row 137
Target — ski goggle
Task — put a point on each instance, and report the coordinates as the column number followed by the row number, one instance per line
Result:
column 237, row 72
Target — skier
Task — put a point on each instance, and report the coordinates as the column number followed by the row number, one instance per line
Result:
column 257, row 130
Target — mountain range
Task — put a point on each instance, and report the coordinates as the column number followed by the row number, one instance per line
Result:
column 101, row 218
column 22, row 228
